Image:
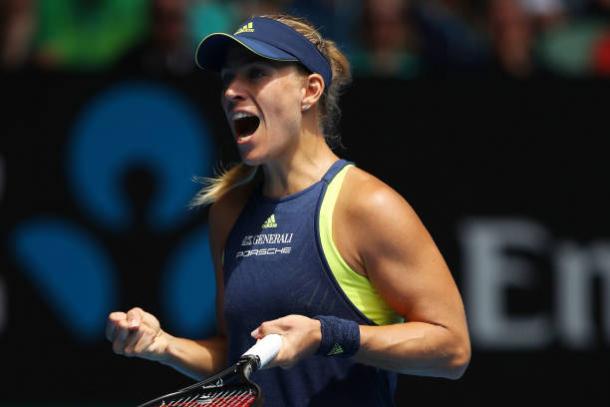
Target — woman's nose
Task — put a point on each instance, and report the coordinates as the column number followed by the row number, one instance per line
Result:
column 234, row 89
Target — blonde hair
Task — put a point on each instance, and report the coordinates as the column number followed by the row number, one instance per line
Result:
column 328, row 107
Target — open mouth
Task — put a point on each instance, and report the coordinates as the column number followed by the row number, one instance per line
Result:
column 245, row 124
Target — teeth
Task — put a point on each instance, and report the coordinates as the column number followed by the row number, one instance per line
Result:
column 241, row 115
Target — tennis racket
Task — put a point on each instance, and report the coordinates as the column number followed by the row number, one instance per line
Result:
column 232, row 387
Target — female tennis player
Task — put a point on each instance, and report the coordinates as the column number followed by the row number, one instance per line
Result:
column 307, row 245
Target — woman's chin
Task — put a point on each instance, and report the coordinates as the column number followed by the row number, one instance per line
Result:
column 251, row 158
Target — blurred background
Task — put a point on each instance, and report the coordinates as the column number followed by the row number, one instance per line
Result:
column 489, row 117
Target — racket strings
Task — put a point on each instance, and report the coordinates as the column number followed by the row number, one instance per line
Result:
column 235, row 397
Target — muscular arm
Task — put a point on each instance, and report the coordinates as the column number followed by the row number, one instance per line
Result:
column 139, row 334
column 386, row 241
column 199, row 358
column 196, row 358
column 380, row 236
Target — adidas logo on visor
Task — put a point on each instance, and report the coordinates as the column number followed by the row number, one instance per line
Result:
column 248, row 28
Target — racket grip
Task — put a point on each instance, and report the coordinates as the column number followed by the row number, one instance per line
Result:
column 266, row 349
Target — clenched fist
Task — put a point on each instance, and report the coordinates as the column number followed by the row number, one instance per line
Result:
column 136, row 333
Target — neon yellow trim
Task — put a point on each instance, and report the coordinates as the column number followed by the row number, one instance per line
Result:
column 355, row 286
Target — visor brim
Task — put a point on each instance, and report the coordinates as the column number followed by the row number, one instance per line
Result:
column 211, row 54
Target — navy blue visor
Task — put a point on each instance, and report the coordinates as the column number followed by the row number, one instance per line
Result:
column 266, row 38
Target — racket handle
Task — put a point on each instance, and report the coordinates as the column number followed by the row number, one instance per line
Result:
column 266, row 349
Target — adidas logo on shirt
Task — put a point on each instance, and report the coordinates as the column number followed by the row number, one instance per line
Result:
column 270, row 222
column 248, row 28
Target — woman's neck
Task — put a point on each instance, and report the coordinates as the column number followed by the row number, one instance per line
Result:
column 298, row 170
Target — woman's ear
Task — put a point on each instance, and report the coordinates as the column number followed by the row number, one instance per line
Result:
column 314, row 87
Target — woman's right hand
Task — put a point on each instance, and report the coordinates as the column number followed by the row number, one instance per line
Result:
column 137, row 333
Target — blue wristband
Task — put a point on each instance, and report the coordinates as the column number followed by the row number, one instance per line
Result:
column 340, row 337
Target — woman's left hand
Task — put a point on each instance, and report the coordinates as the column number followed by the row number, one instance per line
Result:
column 300, row 338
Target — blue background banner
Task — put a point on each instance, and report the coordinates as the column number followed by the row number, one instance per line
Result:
column 96, row 177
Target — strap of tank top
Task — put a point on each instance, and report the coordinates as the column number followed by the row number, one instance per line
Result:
column 334, row 170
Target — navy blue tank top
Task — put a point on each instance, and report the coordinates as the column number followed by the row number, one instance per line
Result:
column 273, row 267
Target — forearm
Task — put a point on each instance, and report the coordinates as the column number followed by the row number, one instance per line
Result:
column 196, row 358
column 415, row 348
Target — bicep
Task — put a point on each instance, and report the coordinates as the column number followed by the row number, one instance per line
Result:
column 406, row 267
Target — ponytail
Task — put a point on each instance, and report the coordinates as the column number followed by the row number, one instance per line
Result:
column 214, row 188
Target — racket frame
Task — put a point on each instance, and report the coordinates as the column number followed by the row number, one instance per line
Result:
column 233, row 376
column 237, row 375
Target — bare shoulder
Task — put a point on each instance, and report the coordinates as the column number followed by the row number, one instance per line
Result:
column 366, row 197
column 225, row 211
column 372, row 221
column 231, row 203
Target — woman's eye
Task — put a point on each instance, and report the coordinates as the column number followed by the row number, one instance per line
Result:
column 256, row 73
column 226, row 79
